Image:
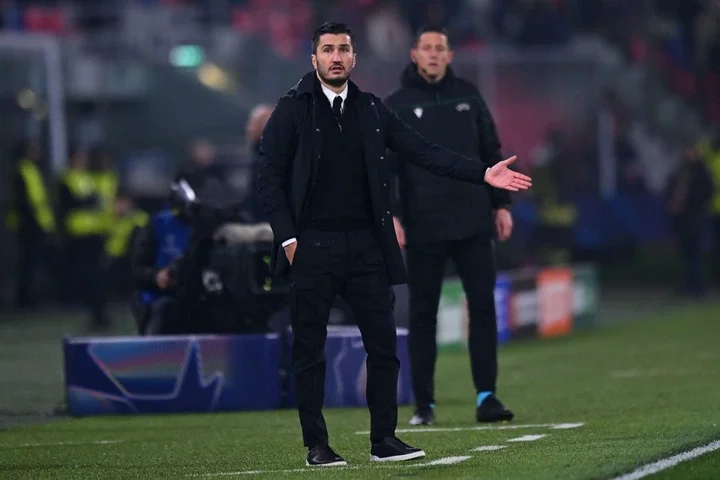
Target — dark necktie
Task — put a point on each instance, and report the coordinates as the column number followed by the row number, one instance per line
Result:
column 337, row 103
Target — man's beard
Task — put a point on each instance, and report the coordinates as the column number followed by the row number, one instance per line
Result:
column 334, row 82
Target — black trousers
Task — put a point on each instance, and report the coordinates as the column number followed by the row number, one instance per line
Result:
column 29, row 261
column 349, row 264
column 475, row 264
column 715, row 265
column 87, row 276
column 690, row 240
column 163, row 318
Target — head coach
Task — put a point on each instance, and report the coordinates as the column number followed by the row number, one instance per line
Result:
column 323, row 181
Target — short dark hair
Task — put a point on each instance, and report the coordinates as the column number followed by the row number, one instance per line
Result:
column 431, row 29
column 331, row 28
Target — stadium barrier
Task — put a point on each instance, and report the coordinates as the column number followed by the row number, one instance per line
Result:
column 206, row 373
column 112, row 375
column 529, row 303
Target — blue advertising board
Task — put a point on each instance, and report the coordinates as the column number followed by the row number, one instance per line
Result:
column 503, row 285
column 172, row 374
column 346, row 372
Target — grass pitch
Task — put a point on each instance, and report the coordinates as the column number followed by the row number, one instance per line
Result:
column 594, row 405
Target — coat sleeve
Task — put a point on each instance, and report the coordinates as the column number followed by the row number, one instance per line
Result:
column 490, row 150
column 394, row 164
column 706, row 186
column 277, row 150
column 410, row 145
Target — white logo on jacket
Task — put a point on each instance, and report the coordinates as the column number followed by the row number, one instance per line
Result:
column 418, row 112
column 462, row 107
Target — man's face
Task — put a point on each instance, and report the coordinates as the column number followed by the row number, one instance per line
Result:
column 334, row 59
column 33, row 151
column 258, row 118
column 122, row 206
column 692, row 154
column 79, row 160
column 432, row 55
column 202, row 154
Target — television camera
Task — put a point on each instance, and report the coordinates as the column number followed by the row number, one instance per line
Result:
column 223, row 282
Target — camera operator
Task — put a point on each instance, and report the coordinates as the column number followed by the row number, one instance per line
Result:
column 199, row 268
column 159, row 245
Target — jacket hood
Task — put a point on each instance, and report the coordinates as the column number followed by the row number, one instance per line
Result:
column 410, row 78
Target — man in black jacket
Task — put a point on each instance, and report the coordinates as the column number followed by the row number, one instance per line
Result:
column 324, row 184
column 437, row 218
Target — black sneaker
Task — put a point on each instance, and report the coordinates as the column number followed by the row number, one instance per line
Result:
column 492, row 410
column 324, row 456
column 391, row 449
column 423, row 416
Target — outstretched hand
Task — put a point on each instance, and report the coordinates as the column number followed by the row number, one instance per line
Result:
column 500, row 176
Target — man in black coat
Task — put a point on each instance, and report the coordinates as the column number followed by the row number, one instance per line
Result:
column 437, row 218
column 324, row 184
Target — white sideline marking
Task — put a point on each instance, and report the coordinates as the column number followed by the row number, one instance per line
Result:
column 259, row 472
column 489, row 448
column 670, row 462
column 566, row 426
column 553, row 426
column 649, row 373
column 527, row 438
column 58, row 444
column 439, row 461
column 446, row 461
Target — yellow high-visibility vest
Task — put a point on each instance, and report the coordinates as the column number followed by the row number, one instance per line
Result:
column 37, row 198
column 84, row 221
column 106, row 182
column 712, row 159
column 118, row 242
column 557, row 214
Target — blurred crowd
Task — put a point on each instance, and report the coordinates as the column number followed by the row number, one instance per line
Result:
column 678, row 40
column 76, row 232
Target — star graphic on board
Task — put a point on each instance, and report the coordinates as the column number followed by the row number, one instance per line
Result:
column 190, row 393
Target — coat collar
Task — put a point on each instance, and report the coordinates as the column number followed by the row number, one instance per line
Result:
column 309, row 83
column 410, row 78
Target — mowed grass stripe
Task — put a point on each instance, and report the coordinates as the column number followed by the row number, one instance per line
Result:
column 628, row 421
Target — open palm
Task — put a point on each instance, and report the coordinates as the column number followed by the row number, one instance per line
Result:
column 500, row 176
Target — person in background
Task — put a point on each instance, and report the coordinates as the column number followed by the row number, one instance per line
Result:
column 85, row 226
column 709, row 148
column 253, row 134
column 31, row 216
column 127, row 222
column 553, row 233
column 203, row 165
column 689, row 193
column 158, row 245
column 438, row 218
column 102, row 169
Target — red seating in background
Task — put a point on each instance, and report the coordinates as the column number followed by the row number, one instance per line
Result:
column 45, row 20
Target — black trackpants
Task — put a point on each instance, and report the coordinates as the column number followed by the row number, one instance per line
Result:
column 475, row 264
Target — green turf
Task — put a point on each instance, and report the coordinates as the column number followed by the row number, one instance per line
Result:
column 706, row 467
column 644, row 390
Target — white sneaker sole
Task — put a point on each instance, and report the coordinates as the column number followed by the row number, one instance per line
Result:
column 413, row 422
column 333, row 464
column 398, row 458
